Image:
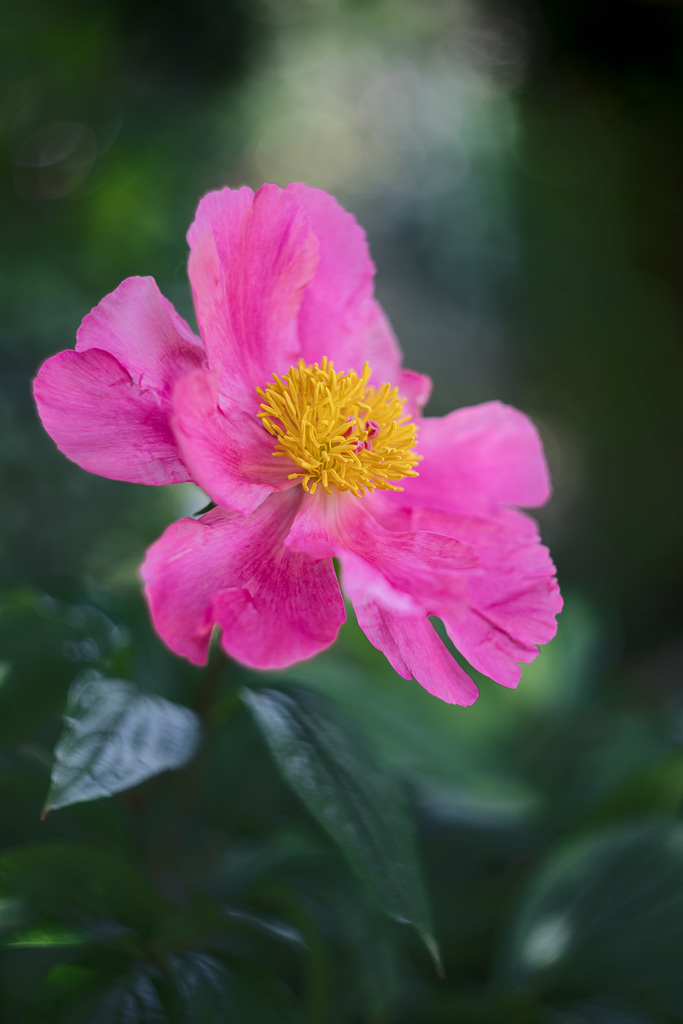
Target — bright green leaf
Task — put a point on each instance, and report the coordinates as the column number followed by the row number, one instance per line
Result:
column 330, row 767
column 115, row 737
column 44, row 936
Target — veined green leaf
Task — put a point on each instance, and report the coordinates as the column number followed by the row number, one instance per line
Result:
column 115, row 737
column 330, row 767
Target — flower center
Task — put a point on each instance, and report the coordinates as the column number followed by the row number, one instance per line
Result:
column 338, row 430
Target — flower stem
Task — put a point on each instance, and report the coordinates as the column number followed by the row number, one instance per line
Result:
column 208, row 690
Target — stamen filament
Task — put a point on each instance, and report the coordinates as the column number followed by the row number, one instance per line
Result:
column 339, row 431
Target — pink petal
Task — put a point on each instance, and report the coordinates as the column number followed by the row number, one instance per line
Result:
column 405, row 636
column 226, row 449
column 393, row 579
column 274, row 606
column 418, row 564
column 251, row 258
column 474, row 456
column 107, row 405
column 100, row 418
column 339, row 317
column 512, row 597
column 416, row 388
column 141, row 328
column 510, row 613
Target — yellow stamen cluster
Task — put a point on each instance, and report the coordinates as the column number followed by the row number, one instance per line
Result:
column 339, row 431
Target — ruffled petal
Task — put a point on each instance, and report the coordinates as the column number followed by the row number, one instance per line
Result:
column 139, row 326
column 405, row 636
column 420, row 564
column 102, row 419
column 339, row 317
column 274, row 606
column 251, row 258
column 511, row 599
column 108, row 404
column 393, row 578
column 490, row 631
column 475, row 456
column 226, row 449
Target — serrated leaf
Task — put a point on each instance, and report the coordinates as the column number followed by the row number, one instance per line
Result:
column 115, row 737
column 330, row 767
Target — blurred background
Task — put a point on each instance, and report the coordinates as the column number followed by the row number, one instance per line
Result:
column 518, row 167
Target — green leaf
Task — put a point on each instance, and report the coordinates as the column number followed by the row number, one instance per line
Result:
column 605, row 918
column 330, row 767
column 135, row 1001
column 199, row 989
column 79, row 994
column 188, row 987
column 42, row 937
column 115, row 737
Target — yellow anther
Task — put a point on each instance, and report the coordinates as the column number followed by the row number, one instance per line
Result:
column 338, row 430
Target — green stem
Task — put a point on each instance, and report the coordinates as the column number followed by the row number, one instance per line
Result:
column 188, row 783
column 208, row 690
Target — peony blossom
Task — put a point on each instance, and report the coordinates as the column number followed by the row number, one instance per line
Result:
column 293, row 412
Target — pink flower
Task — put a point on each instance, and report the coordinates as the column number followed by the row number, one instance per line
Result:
column 294, row 414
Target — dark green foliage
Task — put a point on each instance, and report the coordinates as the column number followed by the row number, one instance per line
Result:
column 330, row 767
column 527, row 233
column 605, row 914
column 211, row 891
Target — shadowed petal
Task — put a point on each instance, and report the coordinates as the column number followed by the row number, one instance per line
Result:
column 274, row 606
column 226, row 449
